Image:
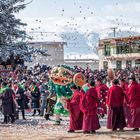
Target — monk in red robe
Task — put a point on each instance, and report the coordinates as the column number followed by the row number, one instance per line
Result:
column 88, row 104
column 102, row 91
column 115, row 99
column 134, row 103
column 127, row 113
column 76, row 115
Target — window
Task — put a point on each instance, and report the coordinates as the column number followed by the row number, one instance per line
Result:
column 118, row 64
column 114, row 49
column 137, row 62
column 128, row 63
column 105, row 65
column 128, row 47
column 107, row 50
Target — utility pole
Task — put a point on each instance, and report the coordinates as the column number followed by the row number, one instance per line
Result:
column 114, row 31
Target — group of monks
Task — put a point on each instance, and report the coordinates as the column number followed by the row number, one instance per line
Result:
column 121, row 103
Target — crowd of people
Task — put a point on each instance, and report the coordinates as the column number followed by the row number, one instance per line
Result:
column 27, row 88
column 122, row 101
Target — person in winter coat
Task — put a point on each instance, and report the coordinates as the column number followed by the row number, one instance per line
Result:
column 35, row 95
column 43, row 96
column 21, row 99
column 8, row 103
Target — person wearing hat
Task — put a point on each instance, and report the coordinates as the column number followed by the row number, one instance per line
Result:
column 115, row 98
column 133, row 96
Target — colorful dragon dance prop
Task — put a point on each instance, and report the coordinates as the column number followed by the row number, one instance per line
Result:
column 61, row 78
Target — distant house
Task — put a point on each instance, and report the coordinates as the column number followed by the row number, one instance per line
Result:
column 92, row 64
column 54, row 49
column 120, row 52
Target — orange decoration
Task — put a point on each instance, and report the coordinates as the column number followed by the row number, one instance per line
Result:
column 61, row 76
column 79, row 79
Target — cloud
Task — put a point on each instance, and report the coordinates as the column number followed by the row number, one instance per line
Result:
column 129, row 9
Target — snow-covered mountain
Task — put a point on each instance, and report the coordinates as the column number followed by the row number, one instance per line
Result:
column 82, row 34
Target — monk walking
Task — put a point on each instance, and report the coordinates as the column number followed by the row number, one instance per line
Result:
column 134, row 103
column 88, row 104
column 102, row 91
column 76, row 116
column 115, row 97
column 127, row 114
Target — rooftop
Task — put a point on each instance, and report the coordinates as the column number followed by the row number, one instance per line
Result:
column 47, row 43
column 121, row 38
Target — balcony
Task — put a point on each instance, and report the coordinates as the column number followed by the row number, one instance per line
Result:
column 126, row 56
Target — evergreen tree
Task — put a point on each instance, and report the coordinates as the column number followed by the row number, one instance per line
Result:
column 12, row 37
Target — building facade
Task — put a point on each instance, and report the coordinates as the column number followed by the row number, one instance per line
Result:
column 55, row 51
column 92, row 64
column 119, row 52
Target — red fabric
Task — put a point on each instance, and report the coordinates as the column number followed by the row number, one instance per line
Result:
column 89, row 101
column 115, row 96
column 125, row 90
column 116, row 118
column 15, row 87
column 76, row 116
column 135, row 118
column 133, row 95
column 127, row 114
column 126, row 108
column 82, row 94
column 102, row 91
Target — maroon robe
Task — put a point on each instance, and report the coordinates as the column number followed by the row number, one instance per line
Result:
column 76, row 115
column 102, row 91
column 88, row 104
column 133, row 96
column 116, row 117
column 126, row 108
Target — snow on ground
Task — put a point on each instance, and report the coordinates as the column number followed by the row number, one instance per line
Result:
column 37, row 128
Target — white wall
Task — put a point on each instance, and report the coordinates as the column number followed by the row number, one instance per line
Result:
column 56, row 52
column 100, row 53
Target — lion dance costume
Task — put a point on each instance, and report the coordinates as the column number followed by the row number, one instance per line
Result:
column 62, row 79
